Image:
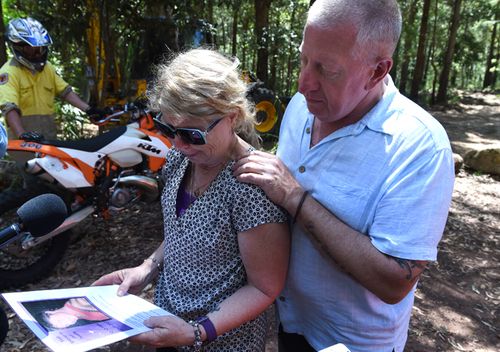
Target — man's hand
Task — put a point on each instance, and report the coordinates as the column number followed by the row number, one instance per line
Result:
column 31, row 136
column 95, row 114
column 269, row 173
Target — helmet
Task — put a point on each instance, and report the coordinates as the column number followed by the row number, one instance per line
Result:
column 28, row 40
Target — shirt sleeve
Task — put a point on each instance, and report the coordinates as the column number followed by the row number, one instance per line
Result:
column 422, row 191
column 252, row 208
column 9, row 91
column 172, row 162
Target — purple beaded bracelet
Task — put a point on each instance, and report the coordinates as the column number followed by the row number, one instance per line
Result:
column 209, row 327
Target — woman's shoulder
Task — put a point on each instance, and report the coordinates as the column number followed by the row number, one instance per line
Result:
column 240, row 191
column 174, row 160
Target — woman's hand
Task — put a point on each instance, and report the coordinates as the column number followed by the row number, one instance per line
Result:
column 131, row 280
column 168, row 331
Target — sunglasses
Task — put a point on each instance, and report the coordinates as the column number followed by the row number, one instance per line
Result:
column 188, row 135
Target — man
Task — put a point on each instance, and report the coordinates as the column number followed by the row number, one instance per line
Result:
column 367, row 177
column 29, row 84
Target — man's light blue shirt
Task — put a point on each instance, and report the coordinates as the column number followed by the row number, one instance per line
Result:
column 389, row 176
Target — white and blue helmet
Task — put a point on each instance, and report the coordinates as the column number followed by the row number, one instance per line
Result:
column 28, row 40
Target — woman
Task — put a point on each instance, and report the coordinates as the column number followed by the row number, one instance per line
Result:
column 225, row 254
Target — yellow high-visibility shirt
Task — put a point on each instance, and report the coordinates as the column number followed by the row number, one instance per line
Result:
column 31, row 93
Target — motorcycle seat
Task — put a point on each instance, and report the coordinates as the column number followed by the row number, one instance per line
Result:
column 90, row 144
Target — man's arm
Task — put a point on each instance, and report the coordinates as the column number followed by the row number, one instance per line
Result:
column 76, row 101
column 13, row 118
column 387, row 277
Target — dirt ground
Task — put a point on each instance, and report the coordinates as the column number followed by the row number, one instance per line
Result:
column 457, row 300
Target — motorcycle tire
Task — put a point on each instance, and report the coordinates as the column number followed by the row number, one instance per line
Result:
column 17, row 265
column 4, row 325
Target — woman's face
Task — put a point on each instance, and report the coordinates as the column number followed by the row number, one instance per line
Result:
column 218, row 134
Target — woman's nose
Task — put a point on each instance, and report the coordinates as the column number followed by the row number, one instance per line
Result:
column 179, row 143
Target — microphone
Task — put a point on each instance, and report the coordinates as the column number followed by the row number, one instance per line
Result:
column 39, row 216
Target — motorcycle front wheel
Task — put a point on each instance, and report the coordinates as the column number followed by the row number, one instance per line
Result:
column 20, row 266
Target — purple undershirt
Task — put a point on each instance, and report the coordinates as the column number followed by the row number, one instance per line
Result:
column 184, row 200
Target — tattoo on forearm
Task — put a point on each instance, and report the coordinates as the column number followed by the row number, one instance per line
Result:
column 410, row 266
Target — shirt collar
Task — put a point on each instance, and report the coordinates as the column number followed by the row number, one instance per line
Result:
column 377, row 119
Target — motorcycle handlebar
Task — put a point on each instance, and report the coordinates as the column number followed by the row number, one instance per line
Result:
column 112, row 118
column 136, row 113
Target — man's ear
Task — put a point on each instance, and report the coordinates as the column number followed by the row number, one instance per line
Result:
column 381, row 69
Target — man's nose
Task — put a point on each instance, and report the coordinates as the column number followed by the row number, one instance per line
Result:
column 308, row 81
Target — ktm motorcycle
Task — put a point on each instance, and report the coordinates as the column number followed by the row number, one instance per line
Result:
column 98, row 176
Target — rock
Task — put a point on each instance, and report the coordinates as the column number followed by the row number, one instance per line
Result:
column 486, row 160
column 459, row 162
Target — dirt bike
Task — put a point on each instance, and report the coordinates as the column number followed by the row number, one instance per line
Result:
column 97, row 176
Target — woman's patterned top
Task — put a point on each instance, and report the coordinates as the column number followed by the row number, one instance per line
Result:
column 202, row 263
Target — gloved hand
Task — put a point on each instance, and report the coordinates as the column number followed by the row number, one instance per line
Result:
column 96, row 114
column 31, row 136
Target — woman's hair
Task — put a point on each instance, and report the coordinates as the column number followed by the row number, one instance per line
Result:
column 378, row 22
column 202, row 83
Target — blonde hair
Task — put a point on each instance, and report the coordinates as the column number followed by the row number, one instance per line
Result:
column 202, row 83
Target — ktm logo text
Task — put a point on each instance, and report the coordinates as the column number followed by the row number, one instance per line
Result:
column 149, row 148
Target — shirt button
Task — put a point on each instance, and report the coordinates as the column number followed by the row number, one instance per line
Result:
column 302, row 169
column 308, row 130
column 282, row 299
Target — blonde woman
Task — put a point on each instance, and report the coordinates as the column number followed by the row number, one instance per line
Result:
column 225, row 254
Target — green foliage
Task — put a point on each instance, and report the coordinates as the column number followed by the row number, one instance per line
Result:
column 71, row 121
column 139, row 27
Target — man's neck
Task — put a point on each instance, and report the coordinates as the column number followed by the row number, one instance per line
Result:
column 322, row 129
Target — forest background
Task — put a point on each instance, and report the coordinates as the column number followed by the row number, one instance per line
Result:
column 104, row 46
column 447, row 61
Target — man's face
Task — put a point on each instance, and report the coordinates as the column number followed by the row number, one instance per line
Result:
column 31, row 53
column 331, row 78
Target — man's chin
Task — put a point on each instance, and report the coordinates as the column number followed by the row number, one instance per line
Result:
column 316, row 108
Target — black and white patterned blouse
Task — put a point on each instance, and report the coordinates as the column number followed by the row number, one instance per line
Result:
column 202, row 263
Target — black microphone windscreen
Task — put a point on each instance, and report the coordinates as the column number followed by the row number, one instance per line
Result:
column 42, row 214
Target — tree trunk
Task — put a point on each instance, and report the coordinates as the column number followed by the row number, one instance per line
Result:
column 236, row 10
column 274, row 64
column 490, row 62
column 448, row 59
column 245, row 23
column 108, row 54
column 432, row 47
column 3, row 48
column 289, row 67
column 210, row 6
column 262, row 34
column 408, row 43
column 395, row 64
column 418, row 73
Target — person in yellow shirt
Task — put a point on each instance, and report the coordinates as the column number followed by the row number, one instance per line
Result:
column 29, row 84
